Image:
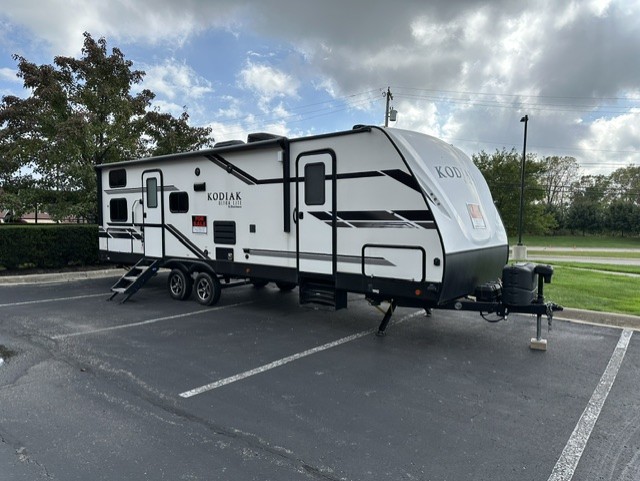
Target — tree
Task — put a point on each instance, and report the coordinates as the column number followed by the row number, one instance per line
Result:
column 625, row 184
column 588, row 204
column 80, row 113
column 623, row 216
column 502, row 172
column 556, row 178
column 168, row 135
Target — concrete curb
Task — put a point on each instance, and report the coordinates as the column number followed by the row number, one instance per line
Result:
column 600, row 318
column 59, row 277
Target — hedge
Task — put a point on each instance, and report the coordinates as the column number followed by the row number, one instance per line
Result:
column 48, row 245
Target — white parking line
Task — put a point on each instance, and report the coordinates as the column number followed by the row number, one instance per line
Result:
column 572, row 452
column 286, row 360
column 55, row 299
column 144, row 323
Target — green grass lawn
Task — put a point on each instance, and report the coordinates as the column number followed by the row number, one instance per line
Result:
column 583, row 285
column 578, row 241
column 579, row 253
column 596, row 291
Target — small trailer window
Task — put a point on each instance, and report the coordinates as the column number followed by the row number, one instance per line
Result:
column 118, row 210
column 117, row 178
column 314, row 193
column 152, row 192
column 179, row 202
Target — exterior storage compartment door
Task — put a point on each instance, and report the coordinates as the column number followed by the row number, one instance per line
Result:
column 394, row 262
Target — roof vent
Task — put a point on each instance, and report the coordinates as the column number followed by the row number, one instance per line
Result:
column 258, row 136
column 228, row 143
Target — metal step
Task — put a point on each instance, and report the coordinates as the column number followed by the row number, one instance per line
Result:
column 322, row 292
column 135, row 278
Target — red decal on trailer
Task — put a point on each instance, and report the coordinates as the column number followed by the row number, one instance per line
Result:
column 199, row 224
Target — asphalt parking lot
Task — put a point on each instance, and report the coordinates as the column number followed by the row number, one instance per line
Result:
column 258, row 387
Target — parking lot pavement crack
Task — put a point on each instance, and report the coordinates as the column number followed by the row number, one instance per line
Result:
column 248, row 444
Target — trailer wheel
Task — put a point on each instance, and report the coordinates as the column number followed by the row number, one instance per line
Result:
column 179, row 285
column 259, row 283
column 207, row 289
column 285, row 286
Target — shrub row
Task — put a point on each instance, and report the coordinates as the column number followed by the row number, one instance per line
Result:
column 48, row 246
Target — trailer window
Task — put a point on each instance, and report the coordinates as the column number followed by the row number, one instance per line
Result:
column 152, row 192
column 314, row 193
column 118, row 210
column 117, row 178
column 179, row 202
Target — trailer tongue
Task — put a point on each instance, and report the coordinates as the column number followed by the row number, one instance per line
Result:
column 520, row 291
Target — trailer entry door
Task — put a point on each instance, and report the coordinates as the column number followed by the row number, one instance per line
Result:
column 315, row 212
column 153, row 213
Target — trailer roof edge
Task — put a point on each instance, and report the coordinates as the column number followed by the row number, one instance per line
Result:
column 259, row 144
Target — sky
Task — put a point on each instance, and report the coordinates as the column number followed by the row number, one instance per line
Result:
column 465, row 71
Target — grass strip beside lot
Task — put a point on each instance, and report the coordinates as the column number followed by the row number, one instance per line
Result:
column 579, row 241
column 581, row 288
column 585, row 266
column 578, row 253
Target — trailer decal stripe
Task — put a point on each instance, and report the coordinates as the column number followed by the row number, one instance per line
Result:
column 317, row 256
column 396, row 174
column 403, row 177
column 139, row 190
column 186, row 242
column 119, row 234
column 379, row 219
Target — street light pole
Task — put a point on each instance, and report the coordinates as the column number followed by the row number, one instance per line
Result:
column 524, row 119
column 386, row 111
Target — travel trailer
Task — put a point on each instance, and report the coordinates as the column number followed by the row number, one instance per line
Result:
column 395, row 215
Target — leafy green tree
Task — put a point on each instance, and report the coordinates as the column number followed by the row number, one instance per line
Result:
column 587, row 211
column 502, row 170
column 556, row 178
column 80, row 113
column 625, row 184
column 622, row 216
column 169, row 135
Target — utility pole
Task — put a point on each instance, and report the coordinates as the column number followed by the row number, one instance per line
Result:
column 389, row 96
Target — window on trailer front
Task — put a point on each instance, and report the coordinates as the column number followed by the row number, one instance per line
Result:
column 179, row 202
column 314, row 193
column 117, row 178
column 118, row 210
column 152, row 192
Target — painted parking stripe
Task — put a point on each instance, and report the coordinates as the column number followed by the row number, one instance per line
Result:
column 149, row 321
column 285, row 360
column 55, row 299
column 572, row 452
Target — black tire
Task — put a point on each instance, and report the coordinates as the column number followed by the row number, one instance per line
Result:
column 259, row 283
column 207, row 289
column 179, row 284
column 286, row 286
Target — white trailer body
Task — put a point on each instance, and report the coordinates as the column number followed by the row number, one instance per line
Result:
column 389, row 213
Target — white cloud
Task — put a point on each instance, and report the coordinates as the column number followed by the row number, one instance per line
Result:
column 9, row 75
column 174, row 79
column 61, row 23
column 560, row 53
column 616, row 138
column 268, row 82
